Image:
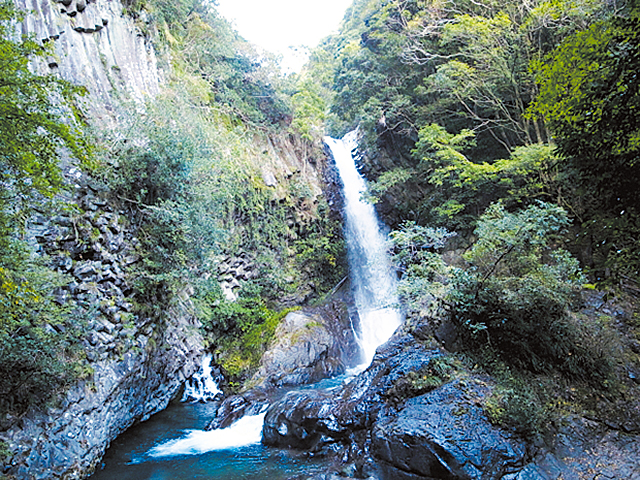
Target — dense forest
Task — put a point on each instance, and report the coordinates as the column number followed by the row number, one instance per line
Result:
column 501, row 144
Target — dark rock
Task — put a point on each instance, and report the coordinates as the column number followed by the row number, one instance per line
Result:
column 441, row 434
column 237, row 406
column 301, row 419
column 85, row 269
column 354, row 407
column 62, row 263
column 444, row 434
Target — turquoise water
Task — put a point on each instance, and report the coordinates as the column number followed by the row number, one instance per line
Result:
column 128, row 457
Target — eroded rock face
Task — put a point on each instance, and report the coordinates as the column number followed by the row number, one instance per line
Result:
column 95, row 46
column 68, row 441
column 445, row 434
column 308, row 346
column 304, row 351
column 373, row 428
column 139, row 363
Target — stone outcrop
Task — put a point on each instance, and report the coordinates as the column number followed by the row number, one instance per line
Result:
column 308, row 346
column 95, row 45
column 445, row 434
column 138, row 363
column 380, row 425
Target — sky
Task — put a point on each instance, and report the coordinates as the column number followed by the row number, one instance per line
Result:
column 276, row 25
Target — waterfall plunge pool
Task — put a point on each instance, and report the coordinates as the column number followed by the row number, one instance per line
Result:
column 172, row 445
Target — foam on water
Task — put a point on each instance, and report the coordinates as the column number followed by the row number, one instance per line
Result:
column 244, row 432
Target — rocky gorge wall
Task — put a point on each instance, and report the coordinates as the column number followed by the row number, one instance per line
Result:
column 137, row 363
column 97, row 46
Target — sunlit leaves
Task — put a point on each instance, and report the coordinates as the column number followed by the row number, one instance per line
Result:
column 36, row 120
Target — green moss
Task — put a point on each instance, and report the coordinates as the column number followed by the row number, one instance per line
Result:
column 5, row 451
column 518, row 406
column 437, row 372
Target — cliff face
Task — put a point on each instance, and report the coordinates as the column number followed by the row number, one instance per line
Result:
column 138, row 364
column 96, row 46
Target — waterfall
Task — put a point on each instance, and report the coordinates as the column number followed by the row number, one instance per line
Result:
column 372, row 277
column 201, row 387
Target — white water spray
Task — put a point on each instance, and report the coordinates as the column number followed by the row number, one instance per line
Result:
column 201, row 387
column 244, row 432
column 373, row 279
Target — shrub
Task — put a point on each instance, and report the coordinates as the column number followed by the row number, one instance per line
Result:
column 516, row 405
column 517, row 295
column 437, row 372
column 514, row 297
column 40, row 351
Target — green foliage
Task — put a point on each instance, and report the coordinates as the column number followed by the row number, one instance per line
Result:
column 5, row 451
column 321, row 252
column 436, row 373
column 309, row 110
column 39, row 338
column 405, row 69
column 517, row 404
column 425, row 276
column 589, row 93
column 241, row 330
column 515, row 295
column 457, row 190
column 37, row 119
column 388, row 181
column 227, row 71
column 40, row 353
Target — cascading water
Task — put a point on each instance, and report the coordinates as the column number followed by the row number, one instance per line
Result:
column 372, row 277
column 201, row 387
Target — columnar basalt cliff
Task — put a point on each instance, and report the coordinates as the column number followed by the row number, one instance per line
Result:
column 95, row 46
column 138, row 364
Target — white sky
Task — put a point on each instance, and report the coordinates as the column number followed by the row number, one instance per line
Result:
column 276, row 25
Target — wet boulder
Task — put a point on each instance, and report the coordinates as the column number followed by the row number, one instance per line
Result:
column 301, row 420
column 308, row 346
column 445, row 434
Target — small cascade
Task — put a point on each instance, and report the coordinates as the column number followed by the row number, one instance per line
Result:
column 373, row 279
column 244, row 432
column 201, row 387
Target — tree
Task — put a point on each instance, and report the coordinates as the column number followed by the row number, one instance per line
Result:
column 39, row 339
column 590, row 95
column 37, row 119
